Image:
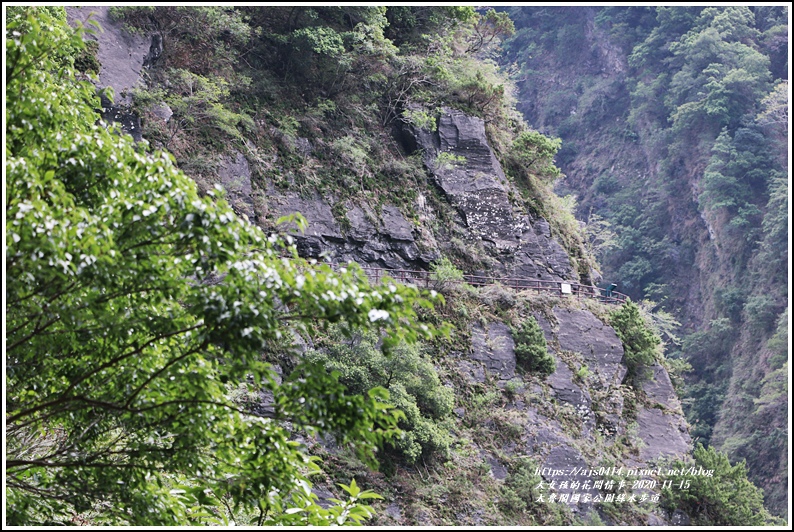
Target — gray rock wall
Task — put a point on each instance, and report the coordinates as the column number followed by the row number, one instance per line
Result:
column 581, row 332
column 465, row 168
column 472, row 180
column 381, row 240
column 566, row 452
column 494, row 347
column 661, row 427
column 121, row 55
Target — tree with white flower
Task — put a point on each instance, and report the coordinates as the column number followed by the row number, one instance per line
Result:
column 121, row 338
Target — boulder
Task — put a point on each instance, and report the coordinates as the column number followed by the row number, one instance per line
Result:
column 664, row 434
column 393, row 511
column 494, row 347
column 320, row 218
column 235, row 177
column 473, row 373
column 162, row 111
column 598, row 344
column 303, row 146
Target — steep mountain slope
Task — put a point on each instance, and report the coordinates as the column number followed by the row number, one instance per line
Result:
column 670, row 148
column 403, row 155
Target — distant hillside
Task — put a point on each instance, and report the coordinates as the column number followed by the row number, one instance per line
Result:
column 675, row 144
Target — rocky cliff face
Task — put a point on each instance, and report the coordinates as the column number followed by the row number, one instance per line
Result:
column 573, row 421
column 472, row 181
column 465, row 168
column 121, row 55
column 601, row 407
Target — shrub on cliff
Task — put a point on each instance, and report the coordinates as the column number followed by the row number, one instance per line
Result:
column 412, row 382
column 444, row 274
column 531, row 350
column 640, row 343
column 712, row 492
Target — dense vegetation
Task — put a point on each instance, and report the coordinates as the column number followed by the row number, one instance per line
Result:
column 639, row 342
column 717, row 493
column 413, row 385
column 674, row 127
column 244, row 362
column 132, row 304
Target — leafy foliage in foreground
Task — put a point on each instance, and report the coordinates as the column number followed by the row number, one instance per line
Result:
column 131, row 301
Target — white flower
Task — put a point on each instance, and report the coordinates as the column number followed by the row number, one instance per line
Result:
column 375, row 315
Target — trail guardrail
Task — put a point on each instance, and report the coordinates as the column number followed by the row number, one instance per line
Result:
column 425, row 279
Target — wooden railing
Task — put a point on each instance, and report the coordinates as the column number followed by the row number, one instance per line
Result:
column 425, row 279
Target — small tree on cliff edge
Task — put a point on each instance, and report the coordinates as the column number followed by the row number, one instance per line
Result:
column 531, row 349
column 715, row 492
column 118, row 347
column 639, row 342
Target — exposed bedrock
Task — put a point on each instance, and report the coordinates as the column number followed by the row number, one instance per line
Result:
column 465, row 168
column 597, row 400
column 382, row 239
column 121, row 55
